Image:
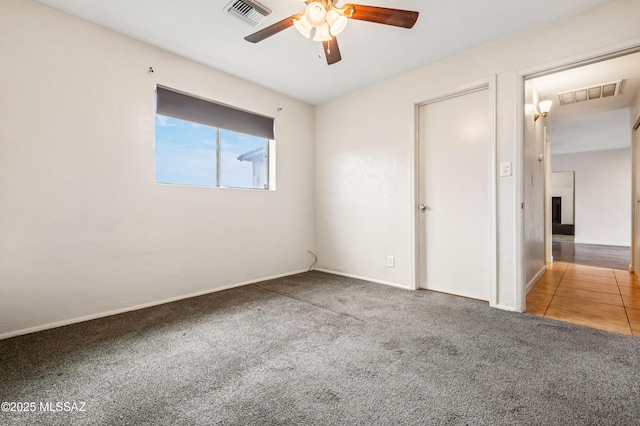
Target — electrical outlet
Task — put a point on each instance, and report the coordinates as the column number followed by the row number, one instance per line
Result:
column 391, row 262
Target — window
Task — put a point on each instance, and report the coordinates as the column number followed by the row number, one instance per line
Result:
column 199, row 142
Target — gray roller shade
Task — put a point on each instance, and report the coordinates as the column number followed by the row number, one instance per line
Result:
column 179, row 105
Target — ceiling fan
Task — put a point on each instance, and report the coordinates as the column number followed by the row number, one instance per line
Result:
column 328, row 20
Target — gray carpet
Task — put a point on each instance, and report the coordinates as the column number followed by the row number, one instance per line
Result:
column 317, row 349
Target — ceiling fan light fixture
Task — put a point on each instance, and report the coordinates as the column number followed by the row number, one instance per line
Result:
column 323, row 33
column 325, row 20
column 303, row 26
column 336, row 21
column 316, row 14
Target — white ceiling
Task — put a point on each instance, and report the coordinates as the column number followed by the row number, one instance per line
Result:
column 625, row 68
column 593, row 125
column 293, row 65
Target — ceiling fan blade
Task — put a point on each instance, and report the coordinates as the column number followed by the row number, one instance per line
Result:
column 272, row 29
column 331, row 51
column 382, row 15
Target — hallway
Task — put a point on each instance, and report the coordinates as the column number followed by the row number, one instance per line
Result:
column 616, row 257
column 597, row 297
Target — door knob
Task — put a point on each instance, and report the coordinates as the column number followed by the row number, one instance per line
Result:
column 422, row 207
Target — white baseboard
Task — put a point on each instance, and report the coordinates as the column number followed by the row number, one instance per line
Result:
column 137, row 307
column 505, row 308
column 329, row 271
column 603, row 243
column 535, row 279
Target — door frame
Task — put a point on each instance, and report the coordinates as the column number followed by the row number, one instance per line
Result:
column 635, row 170
column 548, row 232
column 611, row 52
column 488, row 83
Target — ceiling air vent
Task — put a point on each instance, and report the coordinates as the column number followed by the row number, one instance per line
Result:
column 250, row 11
column 590, row 93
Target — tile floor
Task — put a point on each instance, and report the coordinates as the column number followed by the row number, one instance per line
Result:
column 604, row 298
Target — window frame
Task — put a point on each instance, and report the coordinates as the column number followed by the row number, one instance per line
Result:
column 195, row 109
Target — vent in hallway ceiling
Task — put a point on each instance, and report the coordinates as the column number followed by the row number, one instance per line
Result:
column 590, row 93
column 249, row 11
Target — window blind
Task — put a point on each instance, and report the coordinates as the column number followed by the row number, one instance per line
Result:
column 185, row 107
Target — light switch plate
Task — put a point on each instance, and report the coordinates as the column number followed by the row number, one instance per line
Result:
column 505, row 168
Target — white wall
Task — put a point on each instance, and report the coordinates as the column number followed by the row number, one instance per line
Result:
column 534, row 170
column 364, row 166
column 590, row 132
column 84, row 230
column 602, row 195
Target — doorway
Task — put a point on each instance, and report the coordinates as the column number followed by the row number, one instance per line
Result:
column 597, row 96
column 562, row 206
column 588, row 127
column 456, row 193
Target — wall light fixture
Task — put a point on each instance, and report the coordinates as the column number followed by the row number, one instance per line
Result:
column 545, row 107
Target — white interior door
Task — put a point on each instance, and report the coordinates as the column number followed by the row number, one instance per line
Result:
column 454, row 192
